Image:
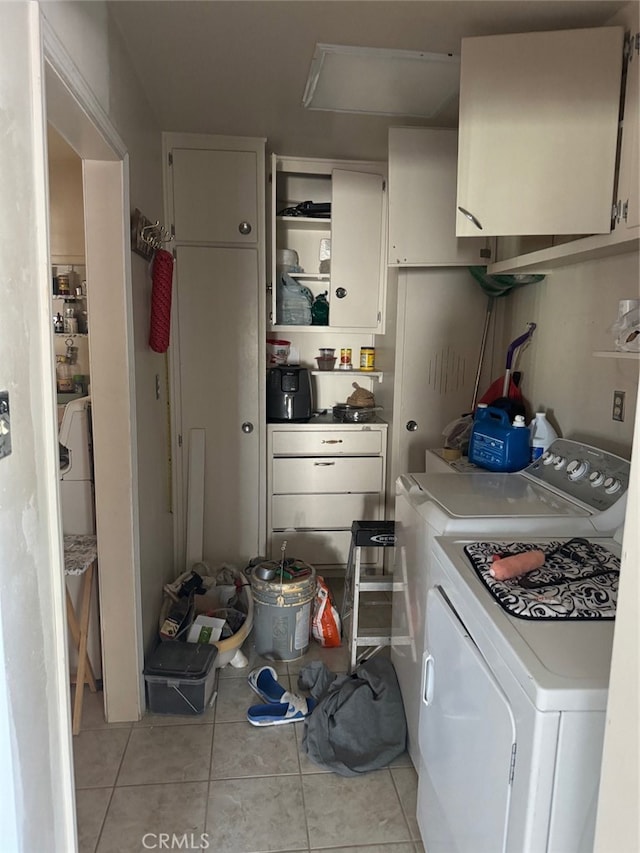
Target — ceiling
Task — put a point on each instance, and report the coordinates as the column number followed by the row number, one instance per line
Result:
column 239, row 67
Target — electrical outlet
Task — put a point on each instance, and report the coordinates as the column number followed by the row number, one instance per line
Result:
column 617, row 412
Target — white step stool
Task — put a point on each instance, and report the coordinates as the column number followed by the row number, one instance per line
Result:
column 366, row 534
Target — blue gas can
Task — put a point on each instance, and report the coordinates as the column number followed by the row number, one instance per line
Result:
column 496, row 444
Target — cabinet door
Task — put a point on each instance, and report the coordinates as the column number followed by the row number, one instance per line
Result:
column 215, row 196
column 537, row 132
column 629, row 181
column 357, row 209
column 217, row 301
column 422, row 200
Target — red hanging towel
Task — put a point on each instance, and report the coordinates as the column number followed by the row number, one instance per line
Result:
column 162, row 276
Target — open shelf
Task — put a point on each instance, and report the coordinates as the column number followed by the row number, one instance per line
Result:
column 372, row 374
column 634, row 356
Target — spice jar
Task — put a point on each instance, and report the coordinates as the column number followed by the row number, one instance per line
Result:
column 367, row 358
column 64, row 285
column 345, row 359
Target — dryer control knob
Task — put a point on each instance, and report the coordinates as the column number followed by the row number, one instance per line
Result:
column 612, row 485
column 596, row 478
column 576, row 469
column 559, row 462
column 547, row 457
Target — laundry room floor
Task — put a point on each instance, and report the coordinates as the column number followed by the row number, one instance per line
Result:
column 215, row 782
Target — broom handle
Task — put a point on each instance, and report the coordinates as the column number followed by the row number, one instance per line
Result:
column 483, row 345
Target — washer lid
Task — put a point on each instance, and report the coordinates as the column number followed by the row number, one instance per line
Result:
column 489, row 495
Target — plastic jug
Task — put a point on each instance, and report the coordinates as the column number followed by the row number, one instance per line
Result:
column 496, row 444
column 542, row 435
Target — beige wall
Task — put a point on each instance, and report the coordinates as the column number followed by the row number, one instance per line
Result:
column 574, row 309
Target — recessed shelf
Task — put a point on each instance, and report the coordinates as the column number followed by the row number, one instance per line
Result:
column 634, row 356
column 313, row 276
column 307, row 222
column 373, row 374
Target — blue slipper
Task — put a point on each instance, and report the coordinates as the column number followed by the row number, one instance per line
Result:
column 290, row 709
column 264, row 681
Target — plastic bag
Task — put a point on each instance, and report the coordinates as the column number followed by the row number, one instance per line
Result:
column 293, row 302
column 325, row 624
column 627, row 331
column 320, row 310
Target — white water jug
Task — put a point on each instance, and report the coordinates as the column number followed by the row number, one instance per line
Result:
column 542, row 435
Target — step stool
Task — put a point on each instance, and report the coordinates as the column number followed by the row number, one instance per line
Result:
column 366, row 534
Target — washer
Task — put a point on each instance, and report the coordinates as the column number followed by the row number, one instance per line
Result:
column 574, row 489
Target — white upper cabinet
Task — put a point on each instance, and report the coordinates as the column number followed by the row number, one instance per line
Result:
column 628, row 200
column 214, row 196
column 537, row 132
column 338, row 252
column 422, row 201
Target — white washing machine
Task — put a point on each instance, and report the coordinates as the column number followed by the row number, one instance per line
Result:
column 572, row 490
column 513, row 698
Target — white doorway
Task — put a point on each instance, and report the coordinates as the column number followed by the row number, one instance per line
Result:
column 71, row 109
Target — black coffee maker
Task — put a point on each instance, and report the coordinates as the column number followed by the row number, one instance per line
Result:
column 289, row 396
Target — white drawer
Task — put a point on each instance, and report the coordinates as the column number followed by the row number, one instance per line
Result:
column 323, row 511
column 335, row 442
column 321, row 547
column 338, row 474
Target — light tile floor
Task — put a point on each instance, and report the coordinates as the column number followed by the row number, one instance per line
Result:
column 214, row 782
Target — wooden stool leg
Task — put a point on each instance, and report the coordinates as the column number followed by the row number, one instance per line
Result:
column 82, row 649
column 72, row 621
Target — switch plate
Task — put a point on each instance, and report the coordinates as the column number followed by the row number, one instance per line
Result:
column 617, row 411
column 5, row 425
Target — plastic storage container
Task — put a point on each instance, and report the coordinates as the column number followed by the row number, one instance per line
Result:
column 496, row 444
column 180, row 678
column 542, row 435
column 282, row 615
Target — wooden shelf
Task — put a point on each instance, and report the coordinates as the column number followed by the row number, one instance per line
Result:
column 634, row 356
column 308, row 222
column 312, row 276
column 574, row 252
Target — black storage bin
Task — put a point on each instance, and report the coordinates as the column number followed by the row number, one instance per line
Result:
column 180, row 678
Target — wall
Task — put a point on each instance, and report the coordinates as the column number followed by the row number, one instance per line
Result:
column 96, row 46
column 574, row 309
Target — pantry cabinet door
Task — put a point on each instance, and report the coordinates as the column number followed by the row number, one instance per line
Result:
column 217, row 309
column 537, row 132
column 215, row 196
column 357, row 218
column 629, row 181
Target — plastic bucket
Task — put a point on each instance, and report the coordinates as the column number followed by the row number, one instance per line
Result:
column 282, row 616
column 277, row 352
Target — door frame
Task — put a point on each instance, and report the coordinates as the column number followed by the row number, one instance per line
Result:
column 74, row 111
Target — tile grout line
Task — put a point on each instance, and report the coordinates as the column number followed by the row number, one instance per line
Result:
column 402, row 808
column 213, row 734
column 113, row 790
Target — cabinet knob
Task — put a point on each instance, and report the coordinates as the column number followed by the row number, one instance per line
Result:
column 247, row 427
column 341, row 292
column 470, row 216
column 244, row 228
column 411, row 426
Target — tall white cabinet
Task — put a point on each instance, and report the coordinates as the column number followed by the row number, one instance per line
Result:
column 215, row 203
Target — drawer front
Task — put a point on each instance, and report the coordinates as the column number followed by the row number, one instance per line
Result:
column 335, row 442
column 321, row 548
column 323, row 511
column 335, row 475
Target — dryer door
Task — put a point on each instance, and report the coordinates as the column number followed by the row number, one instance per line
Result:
column 467, row 739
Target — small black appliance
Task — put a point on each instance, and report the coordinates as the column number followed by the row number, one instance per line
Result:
column 289, row 396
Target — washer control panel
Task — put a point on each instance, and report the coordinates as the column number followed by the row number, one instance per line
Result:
column 588, row 474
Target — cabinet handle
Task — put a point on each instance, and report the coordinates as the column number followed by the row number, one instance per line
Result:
column 331, row 441
column 323, row 464
column 470, row 216
column 341, row 292
column 244, row 228
column 411, row 426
